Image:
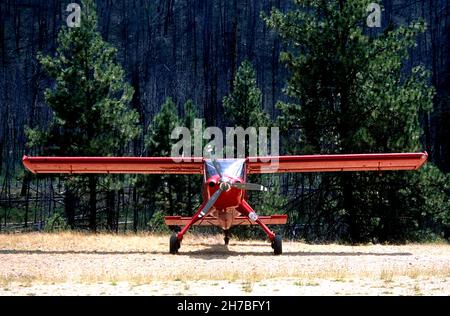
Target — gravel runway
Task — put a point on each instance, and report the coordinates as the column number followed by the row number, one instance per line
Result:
column 103, row 264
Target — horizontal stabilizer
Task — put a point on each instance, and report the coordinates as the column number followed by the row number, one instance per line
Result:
column 213, row 221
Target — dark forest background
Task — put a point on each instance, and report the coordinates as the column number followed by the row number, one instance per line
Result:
column 185, row 54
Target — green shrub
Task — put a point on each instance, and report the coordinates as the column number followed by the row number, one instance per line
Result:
column 55, row 223
column 157, row 224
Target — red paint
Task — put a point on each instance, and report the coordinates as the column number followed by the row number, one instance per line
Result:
column 230, row 199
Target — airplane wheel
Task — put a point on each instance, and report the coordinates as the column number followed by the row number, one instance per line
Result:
column 277, row 245
column 174, row 244
column 227, row 240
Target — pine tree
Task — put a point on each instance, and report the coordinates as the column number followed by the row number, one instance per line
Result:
column 170, row 194
column 192, row 195
column 89, row 101
column 243, row 108
column 353, row 94
column 161, row 190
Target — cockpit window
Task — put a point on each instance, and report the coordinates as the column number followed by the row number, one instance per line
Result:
column 232, row 168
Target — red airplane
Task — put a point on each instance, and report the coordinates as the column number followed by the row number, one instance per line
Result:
column 225, row 183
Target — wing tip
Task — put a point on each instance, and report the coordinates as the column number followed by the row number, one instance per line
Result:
column 423, row 160
column 27, row 164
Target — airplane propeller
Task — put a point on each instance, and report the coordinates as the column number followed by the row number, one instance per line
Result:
column 242, row 186
column 225, row 185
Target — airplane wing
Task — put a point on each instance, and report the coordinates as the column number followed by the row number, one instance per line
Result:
column 146, row 165
column 333, row 163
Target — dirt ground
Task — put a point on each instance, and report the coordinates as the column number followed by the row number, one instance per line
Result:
column 102, row 264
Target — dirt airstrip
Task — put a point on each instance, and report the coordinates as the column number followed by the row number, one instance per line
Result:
column 102, row 264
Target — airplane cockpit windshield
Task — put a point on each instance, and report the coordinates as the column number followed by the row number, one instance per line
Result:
column 233, row 168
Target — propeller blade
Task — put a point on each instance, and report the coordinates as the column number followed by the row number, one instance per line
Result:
column 214, row 161
column 217, row 167
column 250, row 186
column 210, row 203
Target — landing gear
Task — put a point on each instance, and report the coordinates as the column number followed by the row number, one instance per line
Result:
column 226, row 239
column 277, row 245
column 246, row 210
column 174, row 244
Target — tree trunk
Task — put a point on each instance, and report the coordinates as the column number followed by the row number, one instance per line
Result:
column 348, row 204
column 69, row 206
column 135, row 211
column 170, row 198
column 93, row 202
column 27, row 198
column 234, row 40
column 110, row 210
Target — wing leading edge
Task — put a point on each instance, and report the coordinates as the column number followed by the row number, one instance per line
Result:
column 194, row 165
column 335, row 163
column 145, row 165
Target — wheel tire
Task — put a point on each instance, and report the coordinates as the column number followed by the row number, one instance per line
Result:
column 227, row 240
column 277, row 245
column 174, row 244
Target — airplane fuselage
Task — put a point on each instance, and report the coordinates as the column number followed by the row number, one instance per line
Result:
column 226, row 207
column 231, row 198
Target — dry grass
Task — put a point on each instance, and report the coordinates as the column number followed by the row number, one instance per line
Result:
column 142, row 259
column 387, row 275
column 247, row 286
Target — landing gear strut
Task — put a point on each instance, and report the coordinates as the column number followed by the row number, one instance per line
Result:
column 226, row 239
column 246, row 210
column 174, row 244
